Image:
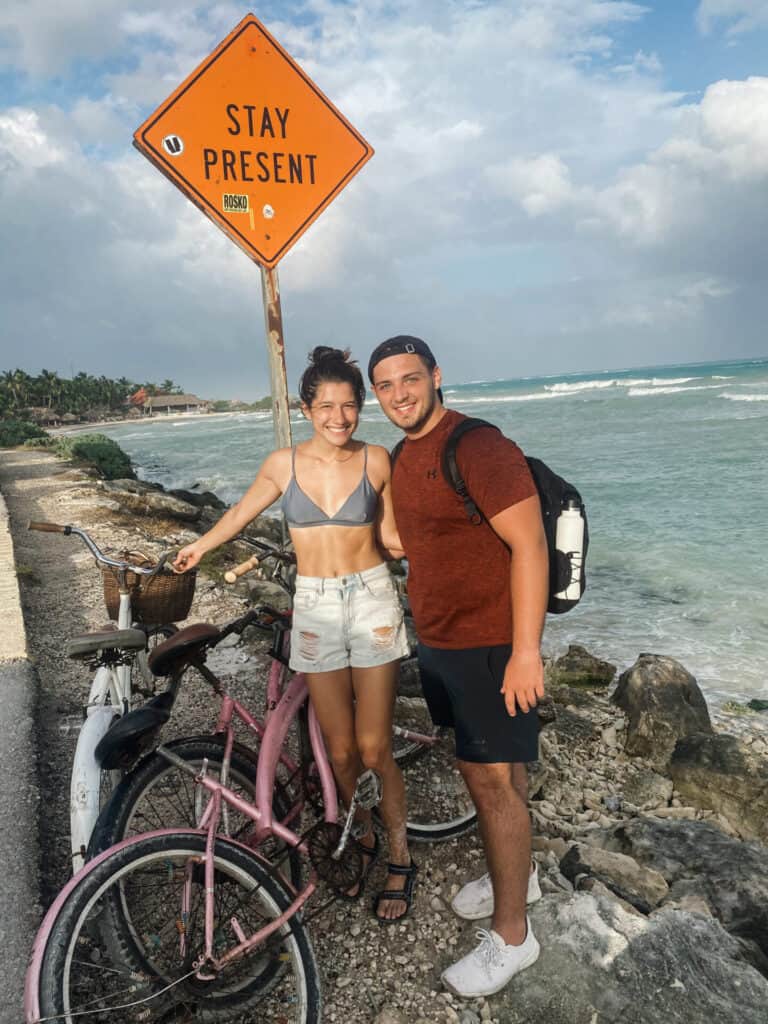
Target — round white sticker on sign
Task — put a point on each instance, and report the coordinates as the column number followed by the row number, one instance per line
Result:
column 173, row 145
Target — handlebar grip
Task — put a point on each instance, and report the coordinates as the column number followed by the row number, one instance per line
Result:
column 47, row 527
column 231, row 576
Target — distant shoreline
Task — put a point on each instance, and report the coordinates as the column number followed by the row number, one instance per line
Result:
column 78, row 428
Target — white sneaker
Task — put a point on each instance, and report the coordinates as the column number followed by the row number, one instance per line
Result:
column 491, row 965
column 475, row 899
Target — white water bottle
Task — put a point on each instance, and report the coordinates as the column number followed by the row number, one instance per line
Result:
column 569, row 540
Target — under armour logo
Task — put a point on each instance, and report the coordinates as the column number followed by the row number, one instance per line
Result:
column 432, row 474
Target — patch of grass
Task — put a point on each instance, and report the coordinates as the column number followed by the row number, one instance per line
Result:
column 215, row 563
column 99, row 451
column 13, row 432
column 28, row 574
column 733, row 707
column 96, row 450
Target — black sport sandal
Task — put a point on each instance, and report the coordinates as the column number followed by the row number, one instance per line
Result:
column 405, row 894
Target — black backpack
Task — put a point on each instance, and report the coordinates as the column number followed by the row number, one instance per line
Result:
column 554, row 494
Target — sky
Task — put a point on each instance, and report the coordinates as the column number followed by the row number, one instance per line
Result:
column 558, row 185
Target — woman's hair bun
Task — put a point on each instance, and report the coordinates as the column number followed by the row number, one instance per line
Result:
column 331, row 364
column 326, row 354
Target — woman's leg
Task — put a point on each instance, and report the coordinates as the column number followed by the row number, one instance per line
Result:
column 374, row 690
column 333, row 700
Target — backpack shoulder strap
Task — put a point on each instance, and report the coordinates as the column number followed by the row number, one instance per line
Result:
column 450, row 465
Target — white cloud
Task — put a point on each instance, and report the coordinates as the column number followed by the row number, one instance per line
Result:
column 641, row 62
column 542, row 184
column 514, row 141
column 720, row 157
column 24, row 143
column 744, row 15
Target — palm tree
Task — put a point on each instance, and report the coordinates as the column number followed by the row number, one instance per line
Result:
column 49, row 387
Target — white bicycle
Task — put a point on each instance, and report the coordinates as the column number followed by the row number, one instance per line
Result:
column 145, row 600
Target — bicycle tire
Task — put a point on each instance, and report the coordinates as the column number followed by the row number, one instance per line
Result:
column 116, row 941
column 156, row 794
column 439, row 806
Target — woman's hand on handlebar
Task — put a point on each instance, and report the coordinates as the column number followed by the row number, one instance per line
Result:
column 188, row 557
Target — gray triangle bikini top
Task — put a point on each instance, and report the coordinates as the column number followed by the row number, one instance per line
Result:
column 358, row 510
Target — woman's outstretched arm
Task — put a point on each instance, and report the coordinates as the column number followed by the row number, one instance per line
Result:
column 265, row 489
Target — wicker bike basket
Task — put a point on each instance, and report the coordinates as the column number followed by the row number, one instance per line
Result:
column 155, row 600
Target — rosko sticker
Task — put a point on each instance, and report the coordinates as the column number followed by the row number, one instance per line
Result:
column 235, row 203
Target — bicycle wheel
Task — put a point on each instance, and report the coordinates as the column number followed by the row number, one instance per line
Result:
column 156, row 794
column 439, row 804
column 143, row 680
column 124, row 943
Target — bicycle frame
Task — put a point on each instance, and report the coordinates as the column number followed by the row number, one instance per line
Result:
column 283, row 705
column 108, row 698
column 282, row 708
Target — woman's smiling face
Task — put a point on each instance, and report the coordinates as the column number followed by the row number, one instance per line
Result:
column 334, row 413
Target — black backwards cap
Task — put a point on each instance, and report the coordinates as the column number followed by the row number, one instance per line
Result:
column 401, row 345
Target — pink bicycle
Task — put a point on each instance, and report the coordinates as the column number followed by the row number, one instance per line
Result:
column 180, row 922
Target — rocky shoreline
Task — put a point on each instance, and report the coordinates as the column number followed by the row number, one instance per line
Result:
column 649, row 811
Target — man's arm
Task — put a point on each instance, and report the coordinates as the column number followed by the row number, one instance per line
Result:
column 387, row 537
column 522, row 530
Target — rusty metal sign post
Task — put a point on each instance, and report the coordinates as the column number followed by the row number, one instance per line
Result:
column 278, row 380
column 250, row 139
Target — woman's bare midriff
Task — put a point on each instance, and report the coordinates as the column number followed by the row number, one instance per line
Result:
column 335, row 550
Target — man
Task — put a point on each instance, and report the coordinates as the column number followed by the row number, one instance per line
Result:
column 478, row 592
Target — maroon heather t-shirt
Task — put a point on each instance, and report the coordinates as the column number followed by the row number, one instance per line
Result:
column 458, row 581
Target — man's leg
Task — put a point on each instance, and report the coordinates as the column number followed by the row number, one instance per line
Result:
column 499, row 793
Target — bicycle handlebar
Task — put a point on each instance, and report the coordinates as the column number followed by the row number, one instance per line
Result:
column 48, row 527
column 265, row 550
column 98, row 554
column 232, row 575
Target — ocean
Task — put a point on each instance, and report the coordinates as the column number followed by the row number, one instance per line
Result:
column 671, row 463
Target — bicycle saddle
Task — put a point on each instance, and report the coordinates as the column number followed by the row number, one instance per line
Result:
column 134, row 733
column 108, row 639
column 166, row 656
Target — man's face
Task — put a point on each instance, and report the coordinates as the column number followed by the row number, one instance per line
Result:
column 407, row 391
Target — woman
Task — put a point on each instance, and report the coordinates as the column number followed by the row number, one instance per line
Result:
column 348, row 634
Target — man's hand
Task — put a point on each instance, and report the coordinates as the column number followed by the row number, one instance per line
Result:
column 523, row 681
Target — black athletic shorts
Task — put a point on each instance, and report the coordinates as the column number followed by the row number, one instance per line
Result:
column 463, row 691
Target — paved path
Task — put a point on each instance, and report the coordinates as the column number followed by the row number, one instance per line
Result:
column 19, row 850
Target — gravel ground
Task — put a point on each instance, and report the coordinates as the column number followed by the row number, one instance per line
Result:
column 366, row 968
column 389, row 975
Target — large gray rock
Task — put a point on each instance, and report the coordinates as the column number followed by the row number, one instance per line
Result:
column 265, row 526
column 577, row 667
column 601, row 963
column 697, row 858
column 200, row 499
column 722, row 773
column 663, row 703
column 131, row 485
column 647, row 789
column 146, row 500
column 640, row 886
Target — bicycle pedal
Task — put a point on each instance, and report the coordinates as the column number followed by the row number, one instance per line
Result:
column 368, row 790
column 341, row 872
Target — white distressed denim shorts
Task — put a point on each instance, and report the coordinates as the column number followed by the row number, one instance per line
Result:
column 354, row 620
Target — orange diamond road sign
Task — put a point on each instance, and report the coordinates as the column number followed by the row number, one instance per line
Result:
column 254, row 143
